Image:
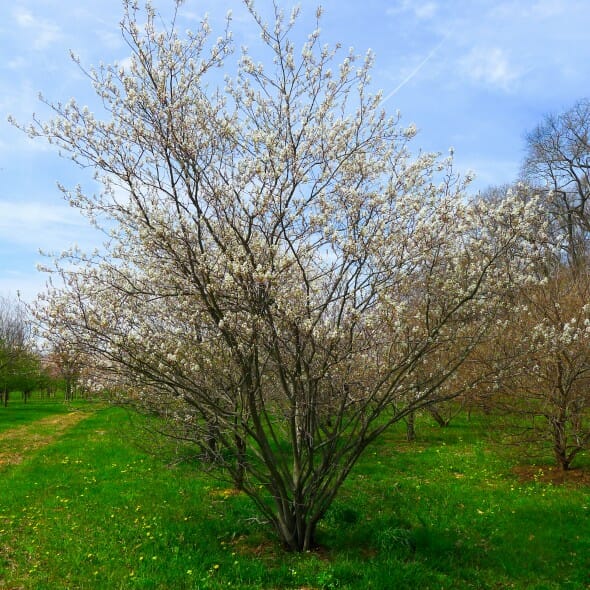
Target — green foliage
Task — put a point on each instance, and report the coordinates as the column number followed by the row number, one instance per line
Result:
column 89, row 511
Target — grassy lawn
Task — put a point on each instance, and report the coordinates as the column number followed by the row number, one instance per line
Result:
column 89, row 510
column 18, row 413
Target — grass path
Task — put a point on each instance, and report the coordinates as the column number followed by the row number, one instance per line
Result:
column 16, row 443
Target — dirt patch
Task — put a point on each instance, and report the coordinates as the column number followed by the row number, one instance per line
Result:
column 16, row 443
column 226, row 493
column 553, row 475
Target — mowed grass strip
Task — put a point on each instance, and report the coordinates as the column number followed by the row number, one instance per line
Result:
column 19, row 413
column 16, row 443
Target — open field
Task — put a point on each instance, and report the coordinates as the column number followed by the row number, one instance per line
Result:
column 82, row 507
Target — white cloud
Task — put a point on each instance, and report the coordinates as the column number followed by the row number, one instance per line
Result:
column 548, row 8
column 112, row 40
column 28, row 227
column 426, row 11
column 15, row 212
column 14, row 143
column 541, row 9
column 44, row 32
column 488, row 170
column 17, row 63
column 27, row 283
column 125, row 63
column 491, row 67
column 421, row 10
column 23, row 17
column 38, row 225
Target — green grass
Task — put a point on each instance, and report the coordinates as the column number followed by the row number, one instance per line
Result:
column 19, row 413
column 90, row 510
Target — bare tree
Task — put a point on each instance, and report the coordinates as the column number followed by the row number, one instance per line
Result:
column 558, row 165
column 279, row 269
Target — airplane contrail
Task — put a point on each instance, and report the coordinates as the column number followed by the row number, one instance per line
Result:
column 415, row 70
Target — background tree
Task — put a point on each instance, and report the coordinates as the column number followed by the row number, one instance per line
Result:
column 14, row 342
column 538, row 369
column 546, row 383
column 27, row 374
column 283, row 281
column 558, row 165
column 64, row 364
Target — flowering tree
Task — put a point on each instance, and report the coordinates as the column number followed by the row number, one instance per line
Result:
column 544, row 353
column 65, row 364
column 282, row 280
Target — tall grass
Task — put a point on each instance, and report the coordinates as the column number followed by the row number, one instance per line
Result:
column 91, row 510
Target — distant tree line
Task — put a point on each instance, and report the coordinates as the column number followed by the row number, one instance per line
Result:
column 23, row 368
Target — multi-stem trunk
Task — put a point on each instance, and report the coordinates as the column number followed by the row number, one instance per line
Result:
column 559, row 428
column 296, row 525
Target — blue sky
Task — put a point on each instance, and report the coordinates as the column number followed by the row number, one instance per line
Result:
column 474, row 75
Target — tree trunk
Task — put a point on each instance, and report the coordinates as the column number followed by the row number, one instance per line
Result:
column 296, row 531
column 410, row 427
column 240, row 462
column 435, row 413
column 559, row 426
column 562, row 461
column 210, row 448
